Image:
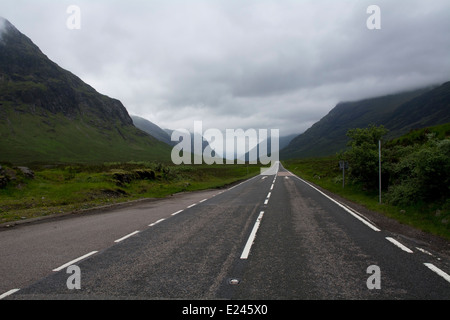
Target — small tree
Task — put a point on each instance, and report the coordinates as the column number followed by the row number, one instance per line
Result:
column 363, row 155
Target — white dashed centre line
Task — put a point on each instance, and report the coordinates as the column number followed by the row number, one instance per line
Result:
column 252, row 236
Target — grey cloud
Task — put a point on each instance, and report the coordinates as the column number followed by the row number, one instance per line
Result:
column 247, row 64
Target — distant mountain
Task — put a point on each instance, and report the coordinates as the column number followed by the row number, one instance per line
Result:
column 285, row 140
column 399, row 113
column 194, row 137
column 152, row 129
column 282, row 143
column 164, row 135
column 48, row 114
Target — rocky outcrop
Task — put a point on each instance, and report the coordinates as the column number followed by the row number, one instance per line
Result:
column 15, row 174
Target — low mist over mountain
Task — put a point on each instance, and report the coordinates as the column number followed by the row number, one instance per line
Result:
column 48, row 114
column 399, row 113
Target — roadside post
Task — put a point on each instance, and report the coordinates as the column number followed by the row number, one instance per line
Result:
column 343, row 165
column 379, row 169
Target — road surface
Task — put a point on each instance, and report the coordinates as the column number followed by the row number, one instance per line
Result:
column 268, row 238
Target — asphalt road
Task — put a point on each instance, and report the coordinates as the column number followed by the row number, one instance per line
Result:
column 271, row 237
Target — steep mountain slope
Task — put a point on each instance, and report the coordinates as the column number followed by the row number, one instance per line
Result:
column 428, row 109
column 399, row 113
column 47, row 114
column 152, row 129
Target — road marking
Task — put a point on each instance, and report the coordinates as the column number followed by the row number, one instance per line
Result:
column 269, row 194
column 8, row 293
column 75, row 260
column 271, row 187
column 252, row 236
column 127, row 236
column 438, row 271
column 175, row 213
column 191, row 205
column 424, row 251
column 156, row 222
column 267, row 201
column 354, row 214
column 398, row 244
column 202, row 200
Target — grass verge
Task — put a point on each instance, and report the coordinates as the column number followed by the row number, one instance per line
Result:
column 65, row 188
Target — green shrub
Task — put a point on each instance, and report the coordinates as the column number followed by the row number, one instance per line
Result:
column 363, row 155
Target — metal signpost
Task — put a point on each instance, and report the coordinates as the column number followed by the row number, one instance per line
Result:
column 343, row 165
column 379, row 169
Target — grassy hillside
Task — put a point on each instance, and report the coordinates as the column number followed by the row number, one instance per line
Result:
column 44, row 137
column 441, row 131
column 429, row 109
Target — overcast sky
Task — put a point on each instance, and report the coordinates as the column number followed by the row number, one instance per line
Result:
column 241, row 63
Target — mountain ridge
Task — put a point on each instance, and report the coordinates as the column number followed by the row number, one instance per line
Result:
column 399, row 113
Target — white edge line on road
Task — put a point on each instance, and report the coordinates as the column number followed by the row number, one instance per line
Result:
column 8, row 293
column 192, row 205
column 127, row 236
column 357, row 213
column 251, row 238
column 266, row 201
column 438, row 271
column 156, row 222
column 398, row 244
column 269, row 194
column 357, row 216
column 175, row 213
column 202, row 200
column 75, row 260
